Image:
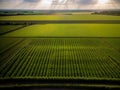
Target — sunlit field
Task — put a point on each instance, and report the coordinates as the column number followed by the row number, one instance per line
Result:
column 68, row 30
column 61, row 17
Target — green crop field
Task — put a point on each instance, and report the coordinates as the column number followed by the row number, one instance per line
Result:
column 60, row 58
column 61, row 17
column 68, row 30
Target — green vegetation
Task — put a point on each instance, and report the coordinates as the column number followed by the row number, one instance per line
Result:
column 72, row 13
column 8, row 28
column 116, row 13
column 61, row 17
column 83, row 55
column 68, row 30
column 61, row 58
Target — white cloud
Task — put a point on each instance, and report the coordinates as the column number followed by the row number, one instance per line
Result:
column 9, row 4
column 60, row 4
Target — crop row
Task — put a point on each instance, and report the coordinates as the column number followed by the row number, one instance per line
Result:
column 61, row 58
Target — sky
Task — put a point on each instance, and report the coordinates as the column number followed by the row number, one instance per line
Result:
column 59, row 4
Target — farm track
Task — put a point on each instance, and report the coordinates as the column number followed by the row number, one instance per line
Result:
column 65, row 86
column 61, row 84
column 12, row 22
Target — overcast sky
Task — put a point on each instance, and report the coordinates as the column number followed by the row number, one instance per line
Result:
column 59, row 4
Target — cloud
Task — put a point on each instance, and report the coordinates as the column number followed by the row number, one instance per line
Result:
column 86, row 2
column 9, row 4
column 46, row 4
column 32, row 0
column 118, row 1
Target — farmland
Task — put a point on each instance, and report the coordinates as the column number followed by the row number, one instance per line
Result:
column 70, row 55
column 61, row 17
column 60, row 58
column 66, row 30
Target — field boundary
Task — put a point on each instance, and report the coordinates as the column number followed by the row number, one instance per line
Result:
column 60, row 87
column 112, row 81
column 51, row 37
column 9, row 47
column 47, row 84
column 21, row 22
column 13, row 30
